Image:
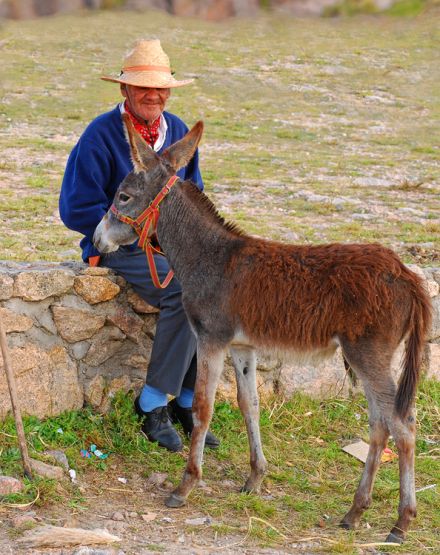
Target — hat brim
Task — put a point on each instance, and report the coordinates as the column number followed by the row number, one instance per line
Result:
column 151, row 79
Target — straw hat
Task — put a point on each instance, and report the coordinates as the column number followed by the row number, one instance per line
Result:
column 147, row 65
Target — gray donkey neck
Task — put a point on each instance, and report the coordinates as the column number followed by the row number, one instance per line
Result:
column 195, row 239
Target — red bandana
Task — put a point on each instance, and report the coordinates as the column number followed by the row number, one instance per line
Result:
column 149, row 132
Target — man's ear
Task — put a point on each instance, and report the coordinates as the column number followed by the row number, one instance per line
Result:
column 180, row 153
column 142, row 156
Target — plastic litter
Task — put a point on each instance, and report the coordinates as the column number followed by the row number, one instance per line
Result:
column 97, row 452
column 388, row 455
column 86, row 454
column 72, row 475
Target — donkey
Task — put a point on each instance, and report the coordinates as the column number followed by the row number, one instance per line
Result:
column 244, row 293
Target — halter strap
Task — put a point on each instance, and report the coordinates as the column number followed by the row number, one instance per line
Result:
column 142, row 224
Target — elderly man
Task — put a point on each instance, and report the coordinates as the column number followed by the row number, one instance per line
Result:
column 95, row 168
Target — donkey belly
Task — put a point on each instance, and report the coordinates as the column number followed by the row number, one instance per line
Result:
column 286, row 352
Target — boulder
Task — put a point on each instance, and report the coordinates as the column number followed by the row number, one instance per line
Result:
column 46, row 470
column 94, row 391
column 6, row 286
column 96, row 289
column 47, row 382
column 318, row 379
column 139, row 305
column 106, row 343
column 10, row 485
column 435, row 327
column 433, row 366
column 76, row 324
column 13, row 322
column 127, row 321
column 35, row 285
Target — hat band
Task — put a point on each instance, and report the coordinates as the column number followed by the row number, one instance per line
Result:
column 147, row 68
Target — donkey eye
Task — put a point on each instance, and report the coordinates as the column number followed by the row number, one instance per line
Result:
column 123, row 197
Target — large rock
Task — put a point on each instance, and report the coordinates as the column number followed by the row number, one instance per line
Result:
column 6, row 286
column 94, row 391
column 107, row 343
column 66, row 390
column 431, row 285
column 35, row 285
column 47, row 470
column 76, row 324
column 14, row 322
column 139, row 305
column 433, row 366
column 10, row 485
column 47, row 382
column 317, row 379
column 96, row 271
column 96, row 289
column 127, row 321
column 435, row 327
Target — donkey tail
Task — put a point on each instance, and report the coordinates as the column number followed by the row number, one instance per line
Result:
column 419, row 324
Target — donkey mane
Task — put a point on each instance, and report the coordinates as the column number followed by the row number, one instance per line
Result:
column 206, row 208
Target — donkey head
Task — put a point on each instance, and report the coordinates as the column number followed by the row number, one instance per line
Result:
column 150, row 173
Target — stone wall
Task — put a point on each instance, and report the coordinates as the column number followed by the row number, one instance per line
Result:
column 78, row 334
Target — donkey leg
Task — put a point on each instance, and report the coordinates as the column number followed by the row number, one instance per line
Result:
column 245, row 364
column 371, row 358
column 209, row 368
column 379, row 434
column 404, row 434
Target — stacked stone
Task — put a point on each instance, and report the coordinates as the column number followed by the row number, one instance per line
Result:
column 75, row 334
column 78, row 334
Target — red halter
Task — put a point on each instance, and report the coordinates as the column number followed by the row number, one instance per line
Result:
column 142, row 224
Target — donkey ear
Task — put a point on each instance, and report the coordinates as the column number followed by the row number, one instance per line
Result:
column 180, row 153
column 142, row 156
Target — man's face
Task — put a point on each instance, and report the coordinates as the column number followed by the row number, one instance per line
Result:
column 145, row 103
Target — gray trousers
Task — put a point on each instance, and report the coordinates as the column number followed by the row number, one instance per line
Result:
column 173, row 363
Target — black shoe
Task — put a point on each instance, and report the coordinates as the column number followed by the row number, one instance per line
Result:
column 184, row 417
column 157, row 426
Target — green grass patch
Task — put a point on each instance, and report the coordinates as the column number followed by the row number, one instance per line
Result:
column 310, row 480
column 356, row 97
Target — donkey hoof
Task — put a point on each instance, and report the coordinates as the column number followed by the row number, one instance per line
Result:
column 394, row 538
column 346, row 525
column 174, row 501
column 248, row 488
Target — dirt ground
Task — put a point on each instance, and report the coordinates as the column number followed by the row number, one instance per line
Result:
column 135, row 512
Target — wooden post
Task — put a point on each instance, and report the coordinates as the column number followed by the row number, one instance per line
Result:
column 14, row 402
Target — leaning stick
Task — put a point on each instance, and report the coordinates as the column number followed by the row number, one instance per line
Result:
column 14, row 402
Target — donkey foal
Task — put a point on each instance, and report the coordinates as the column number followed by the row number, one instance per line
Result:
column 243, row 293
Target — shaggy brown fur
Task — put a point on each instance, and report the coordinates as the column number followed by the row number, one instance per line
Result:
column 303, row 296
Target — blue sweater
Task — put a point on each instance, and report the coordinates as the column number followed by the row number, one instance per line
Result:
column 98, row 164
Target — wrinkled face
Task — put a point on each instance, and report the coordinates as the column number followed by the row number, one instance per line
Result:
column 145, row 103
